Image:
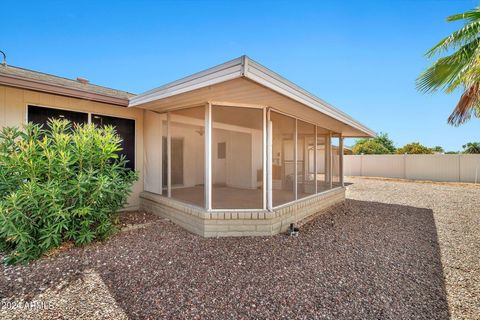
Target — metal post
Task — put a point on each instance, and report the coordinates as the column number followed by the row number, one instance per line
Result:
column 328, row 148
column 295, row 160
column 269, row 162
column 340, row 164
column 265, row 161
column 208, row 156
column 315, row 161
column 169, row 157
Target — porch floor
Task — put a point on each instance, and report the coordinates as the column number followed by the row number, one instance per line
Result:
column 237, row 198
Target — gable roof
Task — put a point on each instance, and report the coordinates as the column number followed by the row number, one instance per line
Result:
column 244, row 67
column 39, row 81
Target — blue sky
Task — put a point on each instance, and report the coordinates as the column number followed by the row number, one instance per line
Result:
column 361, row 56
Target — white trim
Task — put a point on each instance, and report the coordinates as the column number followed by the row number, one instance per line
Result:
column 295, row 161
column 169, row 157
column 330, row 161
column 89, row 120
column 208, row 157
column 269, row 162
column 244, row 67
column 236, row 210
column 264, row 160
column 274, row 81
column 227, row 71
column 340, row 160
column 315, row 179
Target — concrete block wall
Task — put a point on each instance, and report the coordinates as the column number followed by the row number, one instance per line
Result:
column 228, row 223
column 433, row 167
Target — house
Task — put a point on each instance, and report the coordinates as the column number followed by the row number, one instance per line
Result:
column 230, row 151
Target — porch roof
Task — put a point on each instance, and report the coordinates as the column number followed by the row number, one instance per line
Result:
column 244, row 81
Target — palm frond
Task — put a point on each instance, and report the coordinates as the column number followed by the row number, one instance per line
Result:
column 471, row 15
column 457, row 39
column 446, row 72
column 469, row 102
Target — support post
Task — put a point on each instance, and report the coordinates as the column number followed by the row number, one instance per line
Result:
column 340, row 158
column 315, row 161
column 269, row 162
column 169, row 157
column 328, row 151
column 295, row 170
column 265, row 161
column 208, row 156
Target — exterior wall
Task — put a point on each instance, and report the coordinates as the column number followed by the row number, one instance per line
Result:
column 230, row 223
column 13, row 107
column 434, row 167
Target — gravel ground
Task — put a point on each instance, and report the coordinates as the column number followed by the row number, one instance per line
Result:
column 456, row 212
column 393, row 250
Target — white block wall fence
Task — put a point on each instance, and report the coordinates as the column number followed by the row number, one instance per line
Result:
column 434, row 167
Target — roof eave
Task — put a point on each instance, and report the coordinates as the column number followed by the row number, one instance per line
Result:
column 36, row 85
column 227, row 71
column 264, row 76
column 249, row 69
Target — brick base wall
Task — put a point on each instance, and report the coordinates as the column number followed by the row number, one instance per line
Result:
column 228, row 223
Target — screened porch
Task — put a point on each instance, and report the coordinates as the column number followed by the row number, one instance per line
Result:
column 220, row 156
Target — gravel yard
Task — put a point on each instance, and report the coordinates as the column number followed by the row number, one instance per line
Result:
column 393, row 250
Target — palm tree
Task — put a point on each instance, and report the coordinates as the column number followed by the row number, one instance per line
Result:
column 471, row 147
column 460, row 69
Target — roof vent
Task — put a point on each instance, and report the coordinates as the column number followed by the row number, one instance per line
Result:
column 82, row 80
column 4, row 61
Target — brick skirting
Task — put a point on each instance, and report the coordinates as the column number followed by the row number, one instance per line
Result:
column 227, row 223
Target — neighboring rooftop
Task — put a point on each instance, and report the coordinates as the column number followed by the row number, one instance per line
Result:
column 81, row 88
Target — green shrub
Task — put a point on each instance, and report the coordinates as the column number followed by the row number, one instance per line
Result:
column 59, row 184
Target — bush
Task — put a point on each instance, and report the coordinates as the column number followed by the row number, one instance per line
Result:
column 60, row 184
column 381, row 144
column 370, row 146
column 414, row 148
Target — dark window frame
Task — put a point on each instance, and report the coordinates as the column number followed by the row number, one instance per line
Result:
column 89, row 121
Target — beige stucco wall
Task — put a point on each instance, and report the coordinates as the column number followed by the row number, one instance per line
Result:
column 13, row 106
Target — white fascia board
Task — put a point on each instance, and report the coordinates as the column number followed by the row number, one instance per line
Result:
column 264, row 76
column 247, row 68
column 227, row 71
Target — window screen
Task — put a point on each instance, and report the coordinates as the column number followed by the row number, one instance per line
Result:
column 40, row 115
column 126, row 129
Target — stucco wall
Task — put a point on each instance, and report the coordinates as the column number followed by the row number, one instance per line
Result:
column 13, row 106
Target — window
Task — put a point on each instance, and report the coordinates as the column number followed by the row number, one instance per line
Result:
column 41, row 115
column 126, row 130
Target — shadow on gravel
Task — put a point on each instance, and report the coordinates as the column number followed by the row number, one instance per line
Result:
column 358, row 260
